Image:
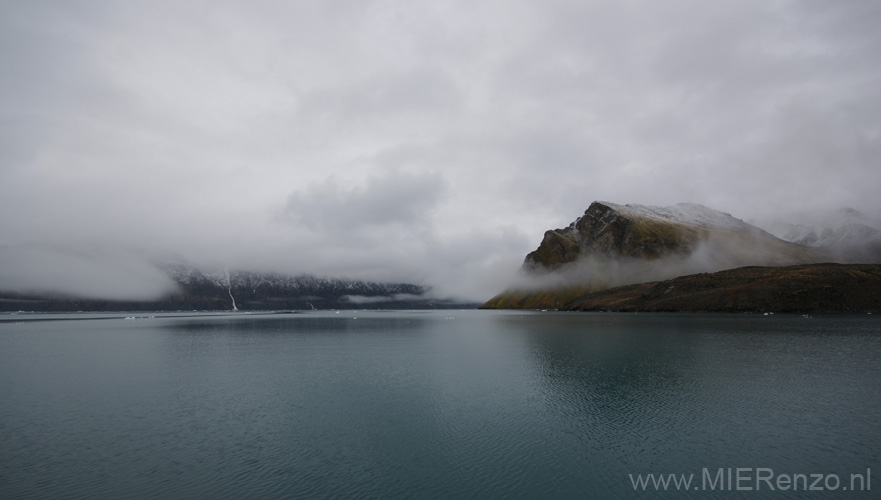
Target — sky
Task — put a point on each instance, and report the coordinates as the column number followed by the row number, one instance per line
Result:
column 427, row 142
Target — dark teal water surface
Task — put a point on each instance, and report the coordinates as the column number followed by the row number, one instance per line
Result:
column 450, row 404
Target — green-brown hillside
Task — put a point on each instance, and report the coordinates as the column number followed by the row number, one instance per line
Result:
column 804, row 289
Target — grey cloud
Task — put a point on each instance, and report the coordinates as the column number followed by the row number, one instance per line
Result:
column 360, row 299
column 97, row 273
column 418, row 90
column 394, row 198
column 422, row 142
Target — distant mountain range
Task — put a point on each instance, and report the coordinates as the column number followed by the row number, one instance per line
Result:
column 613, row 245
column 194, row 289
column 610, row 245
column 846, row 234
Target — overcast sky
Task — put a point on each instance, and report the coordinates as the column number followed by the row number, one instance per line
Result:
column 429, row 142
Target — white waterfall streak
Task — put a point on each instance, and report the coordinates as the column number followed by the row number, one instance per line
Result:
column 229, row 290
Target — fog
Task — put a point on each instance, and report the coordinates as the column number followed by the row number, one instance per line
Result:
column 719, row 250
column 91, row 273
column 425, row 142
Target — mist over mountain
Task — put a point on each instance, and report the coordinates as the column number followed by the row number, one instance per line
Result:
column 418, row 143
column 611, row 245
column 86, row 272
column 806, row 288
column 846, row 234
column 45, row 278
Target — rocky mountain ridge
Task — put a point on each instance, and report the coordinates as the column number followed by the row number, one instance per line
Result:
column 243, row 290
column 613, row 245
column 619, row 244
column 846, row 234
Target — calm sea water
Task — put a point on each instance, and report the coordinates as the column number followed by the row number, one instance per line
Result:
column 450, row 404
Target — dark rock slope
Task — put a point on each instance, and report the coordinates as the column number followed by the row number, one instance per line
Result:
column 803, row 289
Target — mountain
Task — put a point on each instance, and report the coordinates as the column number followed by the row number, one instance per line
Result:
column 273, row 291
column 810, row 288
column 670, row 250
column 37, row 278
column 846, row 234
column 620, row 244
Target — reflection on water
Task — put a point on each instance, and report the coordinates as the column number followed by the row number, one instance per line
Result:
column 681, row 392
column 428, row 404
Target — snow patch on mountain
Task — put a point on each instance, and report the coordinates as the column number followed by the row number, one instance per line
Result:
column 847, row 234
column 685, row 213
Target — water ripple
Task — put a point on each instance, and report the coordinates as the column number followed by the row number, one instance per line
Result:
column 403, row 406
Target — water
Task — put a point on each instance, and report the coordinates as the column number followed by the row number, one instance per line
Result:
column 461, row 404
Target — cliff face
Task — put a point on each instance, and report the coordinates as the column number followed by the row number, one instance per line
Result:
column 610, row 230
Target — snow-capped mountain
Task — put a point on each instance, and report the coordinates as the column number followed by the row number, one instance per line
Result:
column 255, row 290
column 848, row 235
column 685, row 213
column 751, row 268
column 637, row 242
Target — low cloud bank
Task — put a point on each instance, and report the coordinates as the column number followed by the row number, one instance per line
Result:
column 398, row 297
column 717, row 253
column 104, row 274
